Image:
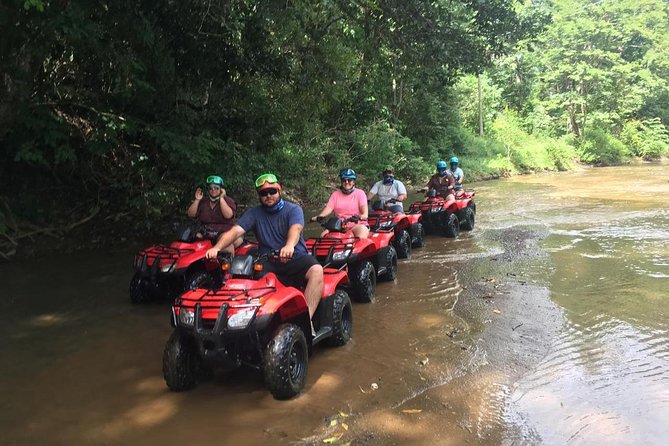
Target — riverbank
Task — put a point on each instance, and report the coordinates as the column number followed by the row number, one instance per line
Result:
column 503, row 323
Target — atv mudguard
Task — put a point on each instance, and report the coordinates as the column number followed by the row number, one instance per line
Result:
column 333, row 279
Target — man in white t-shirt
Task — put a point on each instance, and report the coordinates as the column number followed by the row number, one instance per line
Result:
column 389, row 189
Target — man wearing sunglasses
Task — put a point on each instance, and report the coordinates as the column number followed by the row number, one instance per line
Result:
column 278, row 226
column 217, row 213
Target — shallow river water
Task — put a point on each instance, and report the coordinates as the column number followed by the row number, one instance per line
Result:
column 547, row 324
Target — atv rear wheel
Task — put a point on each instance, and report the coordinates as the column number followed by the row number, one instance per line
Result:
column 285, row 362
column 402, row 244
column 467, row 218
column 364, row 282
column 450, row 225
column 342, row 319
column 138, row 294
column 418, row 240
column 181, row 362
column 390, row 273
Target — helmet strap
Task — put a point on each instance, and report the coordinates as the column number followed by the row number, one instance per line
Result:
column 212, row 199
column 347, row 191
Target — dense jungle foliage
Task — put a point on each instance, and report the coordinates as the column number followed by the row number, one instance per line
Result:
column 112, row 111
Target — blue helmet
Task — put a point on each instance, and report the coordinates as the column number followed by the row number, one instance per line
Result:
column 347, row 174
column 441, row 165
column 455, row 160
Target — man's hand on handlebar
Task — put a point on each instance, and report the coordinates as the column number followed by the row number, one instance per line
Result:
column 287, row 252
column 212, row 253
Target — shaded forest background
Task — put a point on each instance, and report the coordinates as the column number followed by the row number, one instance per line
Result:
column 112, row 111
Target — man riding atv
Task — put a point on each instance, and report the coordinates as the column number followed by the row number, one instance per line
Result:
column 458, row 175
column 278, row 226
column 390, row 191
column 442, row 182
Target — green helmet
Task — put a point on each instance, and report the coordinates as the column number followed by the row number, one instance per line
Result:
column 214, row 179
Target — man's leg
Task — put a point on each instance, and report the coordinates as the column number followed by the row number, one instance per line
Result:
column 314, row 288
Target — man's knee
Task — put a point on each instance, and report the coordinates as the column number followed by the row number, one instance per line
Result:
column 314, row 272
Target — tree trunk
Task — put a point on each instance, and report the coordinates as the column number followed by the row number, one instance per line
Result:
column 573, row 123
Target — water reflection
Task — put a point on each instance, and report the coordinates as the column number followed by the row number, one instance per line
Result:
column 606, row 378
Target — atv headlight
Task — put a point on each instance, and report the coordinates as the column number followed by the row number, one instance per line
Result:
column 240, row 319
column 186, row 317
column 341, row 255
column 168, row 267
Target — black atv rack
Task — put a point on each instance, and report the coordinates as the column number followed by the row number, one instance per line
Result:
column 151, row 258
column 381, row 223
column 324, row 249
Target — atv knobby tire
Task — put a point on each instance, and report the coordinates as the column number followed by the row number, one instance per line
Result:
column 342, row 319
column 199, row 279
column 390, row 273
column 364, row 282
column 467, row 218
column 418, row 240
column 285, row 362
column 138, row 294
column 402, row 244
column 450, row 225
column 181, row 362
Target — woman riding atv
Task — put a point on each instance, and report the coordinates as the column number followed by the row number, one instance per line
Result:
column 217, row 213
column 348, row 203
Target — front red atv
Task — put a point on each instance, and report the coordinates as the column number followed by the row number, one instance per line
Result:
column 366, row 259
column 166, row 271
column 254, row 321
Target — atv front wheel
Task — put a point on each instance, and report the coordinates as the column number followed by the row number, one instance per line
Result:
column 467, row 218
column 402, row 244
column 342, row 319
column 450, row 225
column 138, row 293
column 418, row 240
column 390, row 273
column 364, row 282
column 285, row 362
column 199, row 279
column 181, row 362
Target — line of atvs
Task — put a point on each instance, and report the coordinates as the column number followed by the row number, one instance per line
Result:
column 227, row 312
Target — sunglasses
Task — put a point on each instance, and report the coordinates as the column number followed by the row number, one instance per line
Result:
column 266, row 192
column 266, row 178
column 214, row 187
column 347, row 180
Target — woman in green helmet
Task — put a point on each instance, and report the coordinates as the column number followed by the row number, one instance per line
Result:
column 217, row 212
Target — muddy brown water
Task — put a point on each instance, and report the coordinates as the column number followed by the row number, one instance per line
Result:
column 547, row 324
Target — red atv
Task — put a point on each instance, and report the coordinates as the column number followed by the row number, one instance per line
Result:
column 164, row 272
column 254, row 320
column 408, row 228
column 366, row 259
column 446, row 217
